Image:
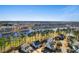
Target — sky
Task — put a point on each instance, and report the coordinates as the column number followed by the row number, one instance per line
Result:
column 39, row 12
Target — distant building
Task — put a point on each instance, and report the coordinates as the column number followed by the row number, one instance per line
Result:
column 13, row 26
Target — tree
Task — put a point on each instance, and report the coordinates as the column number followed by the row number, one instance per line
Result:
column 2, row 44
column 76, row 33
column 23, row 37
column 9, row 40
column 58, row 31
